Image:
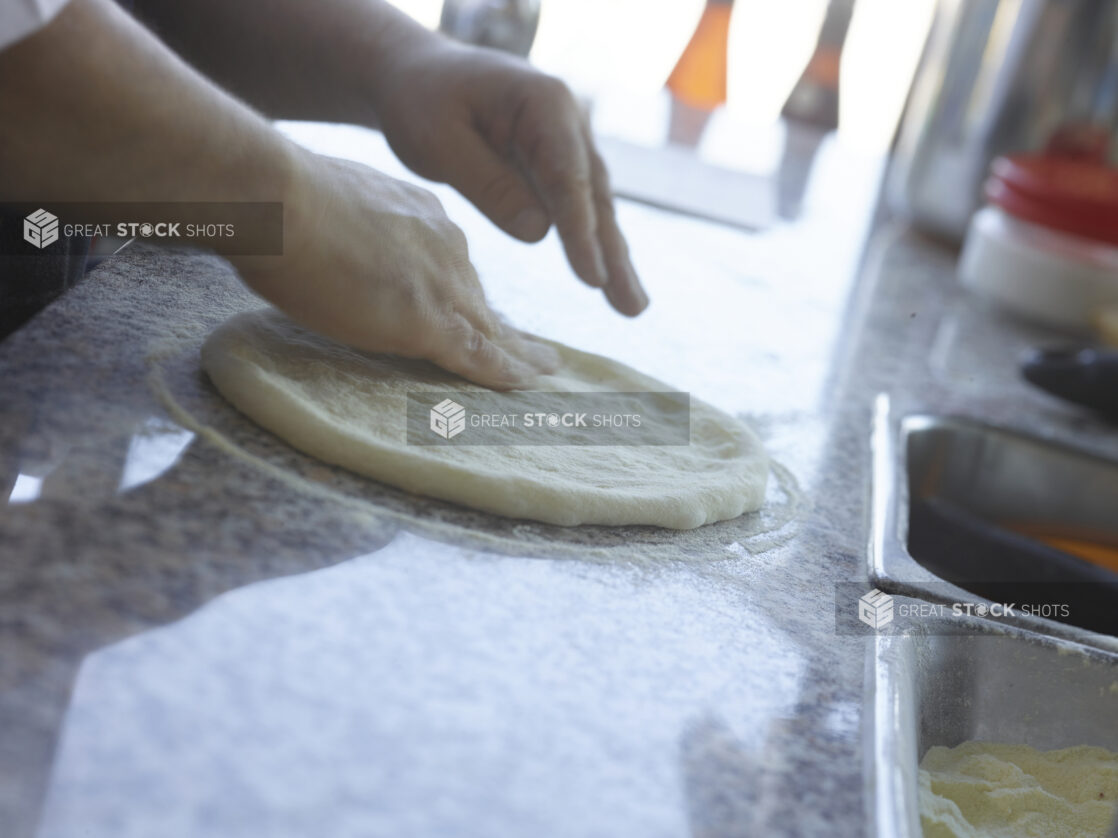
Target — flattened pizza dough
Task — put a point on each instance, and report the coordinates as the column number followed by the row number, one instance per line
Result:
column 349, row 408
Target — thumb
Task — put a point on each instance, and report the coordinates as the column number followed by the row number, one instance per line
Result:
column 497, row 188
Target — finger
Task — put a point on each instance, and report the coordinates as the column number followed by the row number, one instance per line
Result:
column 498, row 189
column 551, row 149
column 623, row 289
column 524, row 346
column 541, row 356
column 469, row 301
column 460, row 348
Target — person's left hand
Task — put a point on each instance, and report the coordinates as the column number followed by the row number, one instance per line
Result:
column 514, row 142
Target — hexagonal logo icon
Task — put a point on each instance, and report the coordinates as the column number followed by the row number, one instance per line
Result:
column 448, row 419
column 40, row 228
column 875, row 609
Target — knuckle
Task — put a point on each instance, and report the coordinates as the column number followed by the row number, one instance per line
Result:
column 468, row 290
column 454, row 338
column 409, row 298
column 453, row 259
column 456, row 238
column 562, row 175
column 603, row 202
column 473, row 343
column 566, row 183
column 601, row 173
column 574, row 206
column 427, row 199
column 556, row 91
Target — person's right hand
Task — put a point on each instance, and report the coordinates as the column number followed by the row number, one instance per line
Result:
column 513, row 141
column 375, row 263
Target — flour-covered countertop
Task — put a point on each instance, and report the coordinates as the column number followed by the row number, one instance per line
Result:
column 205, row 633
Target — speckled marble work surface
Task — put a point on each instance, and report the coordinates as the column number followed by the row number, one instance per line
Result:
column 205, row 633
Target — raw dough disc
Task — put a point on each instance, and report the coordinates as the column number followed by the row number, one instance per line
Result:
column 349, row 408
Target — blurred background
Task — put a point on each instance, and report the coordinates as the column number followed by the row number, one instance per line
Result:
column 619, row 54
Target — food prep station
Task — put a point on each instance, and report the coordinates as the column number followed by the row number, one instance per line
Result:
column 967, row 682
column 205, row 632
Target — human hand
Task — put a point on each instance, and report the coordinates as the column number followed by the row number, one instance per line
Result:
column 515, row 143
column 375, row 263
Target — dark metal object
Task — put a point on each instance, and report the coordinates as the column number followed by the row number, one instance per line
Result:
column 995, row 474
column 1085, row 376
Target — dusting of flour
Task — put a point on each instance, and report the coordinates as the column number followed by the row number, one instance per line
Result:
column 178, row 383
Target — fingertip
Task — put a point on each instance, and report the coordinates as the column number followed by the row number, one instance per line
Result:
column 516, row 375
column 630, row 300
column 640, row 295
column 642, row 302
column 625, row 292
column 529, row 225
column 632, row 310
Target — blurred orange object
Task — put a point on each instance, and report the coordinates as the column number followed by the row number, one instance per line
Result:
column 1106, row 324
column 1093, row 549
column 1100, row 554
column 699, row 77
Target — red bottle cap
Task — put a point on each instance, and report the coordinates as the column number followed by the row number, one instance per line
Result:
column 1074, row 196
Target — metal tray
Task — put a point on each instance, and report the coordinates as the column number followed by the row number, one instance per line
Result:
column 997, row 473
column 976, row 682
